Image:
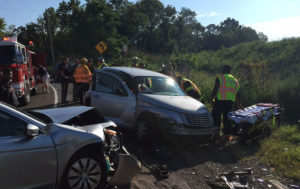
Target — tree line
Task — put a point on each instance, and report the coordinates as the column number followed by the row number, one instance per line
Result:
column 146, row 25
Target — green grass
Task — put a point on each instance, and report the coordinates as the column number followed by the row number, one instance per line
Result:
column 282, row 150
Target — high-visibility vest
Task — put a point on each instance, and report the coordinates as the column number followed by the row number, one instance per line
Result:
column 192, row 88
column 102, row 66
column 229, row 87
column 82, row 74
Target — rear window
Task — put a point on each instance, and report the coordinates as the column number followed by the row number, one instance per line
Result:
column 88, row 118
column 7, row 54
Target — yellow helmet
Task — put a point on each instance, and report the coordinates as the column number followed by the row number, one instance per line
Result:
column 83, row 60
column 135, row 58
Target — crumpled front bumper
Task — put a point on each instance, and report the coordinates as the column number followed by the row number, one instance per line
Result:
column 128, row 167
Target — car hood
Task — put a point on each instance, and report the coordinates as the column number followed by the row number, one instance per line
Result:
column 61, row 115
column 184, row 104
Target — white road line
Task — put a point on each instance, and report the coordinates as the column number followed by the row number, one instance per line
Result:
column 55, row 94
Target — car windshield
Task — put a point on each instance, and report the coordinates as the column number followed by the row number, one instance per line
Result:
column 158, row 86
column 7, row 54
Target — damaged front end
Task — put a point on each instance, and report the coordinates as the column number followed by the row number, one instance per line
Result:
column 121, row 165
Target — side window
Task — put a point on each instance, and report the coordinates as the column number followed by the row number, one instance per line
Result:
column 105, row 83
column 11, row 126
column 120, row 90
column 23, row 53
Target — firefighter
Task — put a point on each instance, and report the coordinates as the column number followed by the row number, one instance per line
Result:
column 169, row 70
column 7, row 92
column 83, row 77
column 76, row 63
column 64, row 73
column 134, row 62
column 190, row 88
column 142, row 65
column 101, row 63
column 224, row 96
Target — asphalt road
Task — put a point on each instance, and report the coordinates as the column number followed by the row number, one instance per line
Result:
column 53, row 98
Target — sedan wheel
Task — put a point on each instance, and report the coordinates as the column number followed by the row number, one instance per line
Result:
column 84, row 173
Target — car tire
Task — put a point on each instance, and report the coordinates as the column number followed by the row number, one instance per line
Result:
column 86, row 171
column 33, row 91
column 26, row 98
column 142, row 129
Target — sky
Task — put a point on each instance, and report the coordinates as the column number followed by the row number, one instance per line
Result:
column 275, row 18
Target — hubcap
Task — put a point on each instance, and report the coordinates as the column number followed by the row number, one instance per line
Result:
column 84, row 174
column 141, row 130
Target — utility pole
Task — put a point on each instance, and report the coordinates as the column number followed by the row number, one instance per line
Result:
column 50, row 38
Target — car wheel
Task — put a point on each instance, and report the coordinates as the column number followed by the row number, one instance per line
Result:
column 86, row 171
column 26, row 97
column 143, row 130
column 33, row 91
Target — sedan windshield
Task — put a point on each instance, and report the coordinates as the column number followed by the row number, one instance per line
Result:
column 158, row 86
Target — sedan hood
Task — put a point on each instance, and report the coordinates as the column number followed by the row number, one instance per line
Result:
column 184, row 104
column 61, row 115
column 97, row 129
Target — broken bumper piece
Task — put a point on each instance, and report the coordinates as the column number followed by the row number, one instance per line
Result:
column 128, row 167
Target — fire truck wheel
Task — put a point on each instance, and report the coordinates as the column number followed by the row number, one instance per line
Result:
column 33, row 91
column 26, row 97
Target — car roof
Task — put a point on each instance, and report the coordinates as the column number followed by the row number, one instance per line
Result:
column 134, row 72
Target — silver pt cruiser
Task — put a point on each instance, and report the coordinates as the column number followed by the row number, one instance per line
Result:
column 72, row 147
column 148, row 102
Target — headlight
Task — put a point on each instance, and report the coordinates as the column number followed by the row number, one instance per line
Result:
column 110, row 132
column 112, row 137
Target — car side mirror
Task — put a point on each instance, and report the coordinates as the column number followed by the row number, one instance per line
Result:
column 19, row 58
column 32, row 130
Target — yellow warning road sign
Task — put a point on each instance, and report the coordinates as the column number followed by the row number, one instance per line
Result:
column 101, row 47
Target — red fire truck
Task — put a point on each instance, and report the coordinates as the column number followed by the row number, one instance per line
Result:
column 19, row 59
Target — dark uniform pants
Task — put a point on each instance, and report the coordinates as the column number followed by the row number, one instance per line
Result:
column 82, row 88
column 222, row 107
column 64, row 90
column 75, row 98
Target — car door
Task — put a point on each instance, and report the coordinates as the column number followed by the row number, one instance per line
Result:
column 113, row 99
column 25, row 162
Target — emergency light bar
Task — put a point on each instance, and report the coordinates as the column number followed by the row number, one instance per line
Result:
column 11, row 39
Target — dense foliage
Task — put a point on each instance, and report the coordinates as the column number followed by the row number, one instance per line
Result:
column 147, row 25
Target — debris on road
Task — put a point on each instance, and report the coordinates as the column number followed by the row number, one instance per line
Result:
column 277, row 184
column 232, row 180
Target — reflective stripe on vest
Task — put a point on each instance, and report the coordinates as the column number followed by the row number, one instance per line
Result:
column 192, row 87
column 82, row 74
column 229, row 87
